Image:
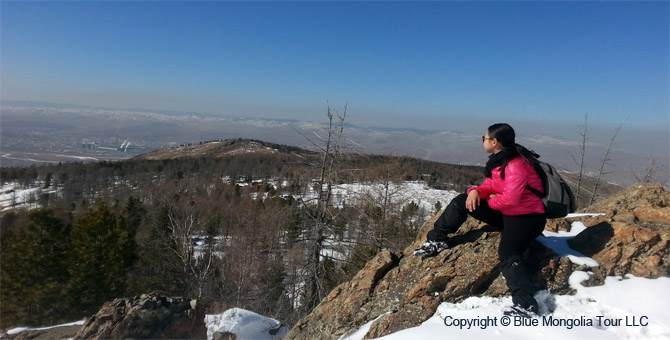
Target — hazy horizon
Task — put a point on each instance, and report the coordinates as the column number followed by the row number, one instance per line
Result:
column 569, row 129
column 56, row 132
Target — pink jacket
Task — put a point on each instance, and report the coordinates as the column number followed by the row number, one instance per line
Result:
column 511, row 196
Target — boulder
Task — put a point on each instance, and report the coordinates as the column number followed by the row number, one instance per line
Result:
column 633, row 236
column 149, row 316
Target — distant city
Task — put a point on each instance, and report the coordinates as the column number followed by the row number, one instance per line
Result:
column 124, row 146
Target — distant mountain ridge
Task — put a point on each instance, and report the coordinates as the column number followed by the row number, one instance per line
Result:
column 218, row 149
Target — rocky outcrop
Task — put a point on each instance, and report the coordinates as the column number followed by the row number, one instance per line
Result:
column 633, row 237
column 149, row 316
column 400, row 290
column 397, row 290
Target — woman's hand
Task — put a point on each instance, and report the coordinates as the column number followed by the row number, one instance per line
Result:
column 472, row 202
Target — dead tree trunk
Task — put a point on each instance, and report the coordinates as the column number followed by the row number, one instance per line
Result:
column 583, row 132
column 321, row 212
column 605, row 161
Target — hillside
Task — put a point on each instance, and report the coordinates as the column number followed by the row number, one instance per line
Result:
column 237, row 158
column 235, row 202
column 218, row 149
column 241, row 146
column 250, row 207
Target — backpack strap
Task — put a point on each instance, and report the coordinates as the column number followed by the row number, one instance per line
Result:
column 535, row 191
column 543, row 178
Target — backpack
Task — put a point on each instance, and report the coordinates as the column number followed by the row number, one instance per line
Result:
column 558, row 198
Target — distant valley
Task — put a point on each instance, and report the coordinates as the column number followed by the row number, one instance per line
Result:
column 37, row 133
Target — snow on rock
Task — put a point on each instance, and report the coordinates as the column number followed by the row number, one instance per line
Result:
column 584, row 215
column 626, row 308
column 245, row 325
column 558, row 241
column 360, row 332
column 623, row 308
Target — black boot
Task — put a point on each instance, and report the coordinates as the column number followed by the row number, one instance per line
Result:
column 519, row 283
column 529, row 312
column 431, row 248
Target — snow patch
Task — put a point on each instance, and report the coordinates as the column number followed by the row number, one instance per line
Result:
column 624, row 308
column 245, row 325
column 360, row 332
column 13, row 196
column 558, row 241
column 398, row 193
column 21, row 329
column 584, row 214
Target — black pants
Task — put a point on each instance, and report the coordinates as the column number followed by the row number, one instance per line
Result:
column 518, row 233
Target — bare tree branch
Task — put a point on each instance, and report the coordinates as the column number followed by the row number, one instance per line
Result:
column 605, row 161
column 583, row 132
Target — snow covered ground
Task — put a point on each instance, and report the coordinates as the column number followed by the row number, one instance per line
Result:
column 401, row 193
column 351, row 193
column 12, row 196
column 632, row 308
column 17, row 330
column 245, row 325
column 623, row 308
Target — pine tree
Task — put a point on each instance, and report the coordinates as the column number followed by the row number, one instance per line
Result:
column 134, row 213
column 34, row 272
column 101, row 253
column 157, row 269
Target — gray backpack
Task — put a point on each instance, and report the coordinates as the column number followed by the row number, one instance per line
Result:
column 557, row 198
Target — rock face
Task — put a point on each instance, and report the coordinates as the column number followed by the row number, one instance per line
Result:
column 149, row 316
column 633, row 237
column 397, row 290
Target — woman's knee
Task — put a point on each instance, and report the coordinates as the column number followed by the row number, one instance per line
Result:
column 459, row 200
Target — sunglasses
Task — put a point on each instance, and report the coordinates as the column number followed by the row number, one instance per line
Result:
column 484, row 138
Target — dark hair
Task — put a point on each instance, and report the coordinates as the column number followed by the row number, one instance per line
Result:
column 506, row 136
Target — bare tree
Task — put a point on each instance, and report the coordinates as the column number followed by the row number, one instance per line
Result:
column 383, row 204
column 197, row 265
column 605, row 161
column 583, row 132
column 320, row 209
column 650, row 171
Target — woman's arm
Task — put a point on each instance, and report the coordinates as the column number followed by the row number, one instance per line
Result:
column 513, row 186
column 485, row 189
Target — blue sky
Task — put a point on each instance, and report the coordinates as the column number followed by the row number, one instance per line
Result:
column 427, row 65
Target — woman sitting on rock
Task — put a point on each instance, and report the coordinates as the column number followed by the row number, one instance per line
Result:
column 504, row 201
